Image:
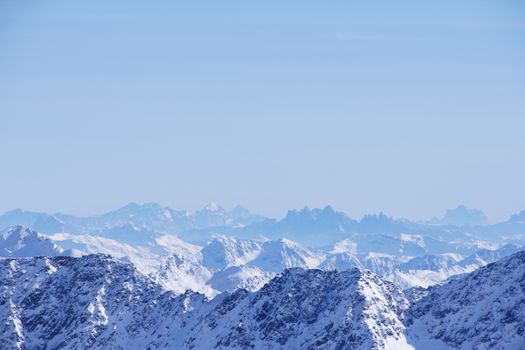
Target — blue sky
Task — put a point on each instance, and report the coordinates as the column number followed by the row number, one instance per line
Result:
column 404, row 107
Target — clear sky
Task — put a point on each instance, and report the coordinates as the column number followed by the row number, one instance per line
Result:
column 406, row 107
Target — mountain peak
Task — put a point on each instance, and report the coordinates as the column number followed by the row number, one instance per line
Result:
column 20, row 241
column 480, row 310
column 134, row 206
column 315, row 213
column 463, row 215
column 328, row 209
column 240, row 209
column 130, row 206
column 20, row 231
column 376, row 219
column 287, row 242
column 518, row 217
column 212, row 206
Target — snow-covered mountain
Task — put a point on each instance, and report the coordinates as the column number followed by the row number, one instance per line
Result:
column 280, row 254
column 246, row 277
column 224, row 251
column 518, row 217
column 180, row 273
column 148, row 217
column 100, row 302
column 309, row 309
column 432, row 262
column 318, row 228
column 223, row 264
column 481, row 310
column 442, row 268
column 462, row 215
column 20, row 241
column 341, row 261
column 410, row 271
column 213, row 215
column 226, row 263
column 90, row 302
column 235, row 277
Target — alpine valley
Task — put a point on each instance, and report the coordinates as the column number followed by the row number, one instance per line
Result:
column 151, row 277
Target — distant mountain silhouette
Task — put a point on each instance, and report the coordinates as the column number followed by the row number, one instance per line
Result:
column 462, row 215
column 318, row 227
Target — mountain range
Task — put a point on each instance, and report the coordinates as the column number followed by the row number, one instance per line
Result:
column 99, row 302
column 315, row 279
column 226, row 263
column 151, row 216
column 310, row 227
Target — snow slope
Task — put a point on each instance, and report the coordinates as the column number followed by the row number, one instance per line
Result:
column 100, row 302
column 309, row 309
column 280, row 254
column 225, row 251
column 481, row 310
column 20, row 241
column 226, row 263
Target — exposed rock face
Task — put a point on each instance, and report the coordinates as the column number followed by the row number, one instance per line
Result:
column 481, row 310
column 310, row 309
column 99, row 302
